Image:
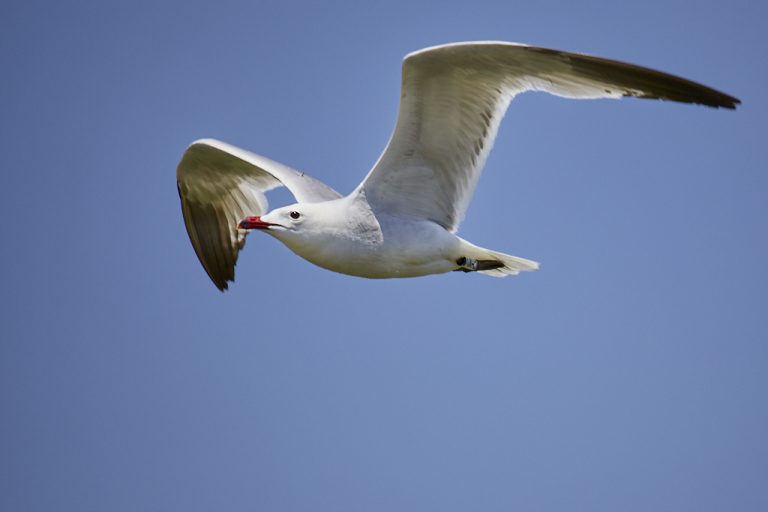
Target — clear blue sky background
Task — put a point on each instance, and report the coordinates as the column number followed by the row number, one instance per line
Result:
column 629, row 373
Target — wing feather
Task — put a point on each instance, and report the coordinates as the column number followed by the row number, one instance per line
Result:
column 453, row 98
column 219, row 185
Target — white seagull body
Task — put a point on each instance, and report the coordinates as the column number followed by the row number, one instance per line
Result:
column 401, row 220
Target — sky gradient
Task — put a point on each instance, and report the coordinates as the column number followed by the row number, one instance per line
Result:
column 629, row 373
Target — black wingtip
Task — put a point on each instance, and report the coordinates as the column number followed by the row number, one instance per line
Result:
column 724, row 101
column 221, row 285
column 717, row 101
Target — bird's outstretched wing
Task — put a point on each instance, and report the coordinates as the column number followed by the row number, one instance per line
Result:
column 220, row 184
column 453, row 98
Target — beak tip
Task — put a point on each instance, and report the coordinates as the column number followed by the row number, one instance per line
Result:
column 253, row 223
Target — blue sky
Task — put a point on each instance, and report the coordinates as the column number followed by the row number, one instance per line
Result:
column 629, row 373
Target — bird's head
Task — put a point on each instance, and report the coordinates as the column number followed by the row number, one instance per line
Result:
column 281, row 221
column 298, row 223
column 326, row 233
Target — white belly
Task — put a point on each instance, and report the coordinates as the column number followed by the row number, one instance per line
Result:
column 405, row 248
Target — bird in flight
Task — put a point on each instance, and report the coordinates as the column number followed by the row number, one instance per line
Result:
column 401, row 221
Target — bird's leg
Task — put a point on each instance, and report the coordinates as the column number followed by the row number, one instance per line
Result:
column 470, row 265
column 466, row 264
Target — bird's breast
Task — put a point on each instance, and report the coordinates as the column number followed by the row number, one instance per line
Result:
column 393, row 248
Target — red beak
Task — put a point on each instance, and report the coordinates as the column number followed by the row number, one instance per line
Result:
column 253, row 223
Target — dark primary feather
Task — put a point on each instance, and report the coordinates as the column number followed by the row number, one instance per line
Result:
column 650, row 83
column 209, row 234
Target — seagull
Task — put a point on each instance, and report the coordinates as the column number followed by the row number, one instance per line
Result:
column 401, row 221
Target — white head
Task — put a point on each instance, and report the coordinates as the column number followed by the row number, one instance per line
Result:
column 337, row 234
column 342, row 235
column 302, row 227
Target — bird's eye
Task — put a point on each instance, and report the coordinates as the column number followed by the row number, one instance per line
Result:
column 295, row 215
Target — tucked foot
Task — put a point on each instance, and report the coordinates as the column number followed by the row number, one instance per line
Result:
column 470, row 265
column 466, row 265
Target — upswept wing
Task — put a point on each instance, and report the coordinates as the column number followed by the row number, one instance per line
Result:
column 220, row 184
column 453, row 98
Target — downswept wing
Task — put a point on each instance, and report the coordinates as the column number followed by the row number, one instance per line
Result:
column 453, row 98
column 220, row 184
